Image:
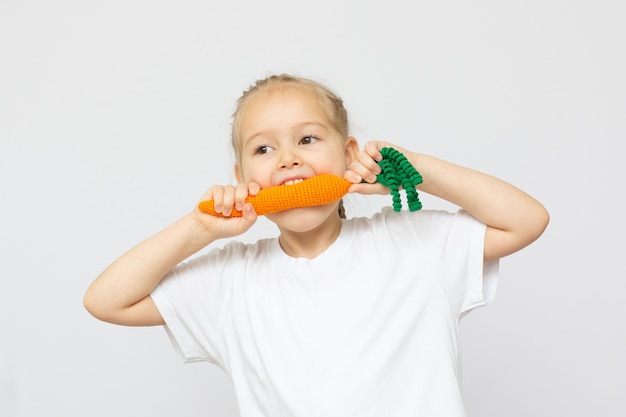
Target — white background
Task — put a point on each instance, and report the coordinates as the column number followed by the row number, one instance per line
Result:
column 114, row 119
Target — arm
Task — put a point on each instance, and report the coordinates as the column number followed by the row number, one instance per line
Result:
column 121, row 293
column 513, row 218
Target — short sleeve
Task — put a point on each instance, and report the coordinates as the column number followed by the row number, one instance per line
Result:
column 190, row 300
column 471, row 283
column 452, row 244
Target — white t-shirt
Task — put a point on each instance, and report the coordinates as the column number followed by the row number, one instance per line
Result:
column 367, row 328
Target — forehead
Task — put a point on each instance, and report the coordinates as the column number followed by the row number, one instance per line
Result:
column 281, row 105
column 287, row 92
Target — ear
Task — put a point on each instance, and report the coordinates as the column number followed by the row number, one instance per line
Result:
column 351, row 149
column 238, row 174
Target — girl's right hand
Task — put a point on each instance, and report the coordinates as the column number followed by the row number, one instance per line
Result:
column 121, row 293
column 225, row 199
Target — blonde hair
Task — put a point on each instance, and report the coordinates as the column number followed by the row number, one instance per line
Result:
column 329, row 101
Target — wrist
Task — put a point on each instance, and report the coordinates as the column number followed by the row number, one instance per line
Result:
column 191, row 233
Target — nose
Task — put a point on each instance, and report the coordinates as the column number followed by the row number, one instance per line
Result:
column 289, row 158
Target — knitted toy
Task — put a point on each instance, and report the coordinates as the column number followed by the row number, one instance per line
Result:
column 396, row 171
column 314, row 191
column 326, row 188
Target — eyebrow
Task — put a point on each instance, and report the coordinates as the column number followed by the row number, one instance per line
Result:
column 298, row 126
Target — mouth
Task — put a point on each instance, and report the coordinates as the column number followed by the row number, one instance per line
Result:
column 292, row 182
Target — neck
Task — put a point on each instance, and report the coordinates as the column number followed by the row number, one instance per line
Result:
column 311, row 243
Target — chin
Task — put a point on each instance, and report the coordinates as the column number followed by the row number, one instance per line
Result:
column 306, row 219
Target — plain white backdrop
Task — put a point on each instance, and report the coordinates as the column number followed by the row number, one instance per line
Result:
column 114, row 119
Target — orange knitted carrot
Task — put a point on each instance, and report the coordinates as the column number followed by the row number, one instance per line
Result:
column 314, row 191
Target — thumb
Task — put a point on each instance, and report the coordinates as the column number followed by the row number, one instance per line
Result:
column 245, row 222
column 369, row 189
column 248, row 214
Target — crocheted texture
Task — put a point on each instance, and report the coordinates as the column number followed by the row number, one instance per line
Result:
column 314, row 191
column 398, row 171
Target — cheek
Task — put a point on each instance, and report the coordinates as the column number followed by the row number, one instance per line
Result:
column 256, row 174
column 242, row 173
column 337, row 164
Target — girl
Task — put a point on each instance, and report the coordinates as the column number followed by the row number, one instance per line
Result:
column 334, row 317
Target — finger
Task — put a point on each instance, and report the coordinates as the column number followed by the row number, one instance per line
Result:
column 228, row 200
column 254, row 188
column 248, row 213
column 369, row 189
column 368, row 168
column 247, row 219
column 370, row 162
column 217, row 195
column 241, row 193
column 352, row 176
column 373, row 150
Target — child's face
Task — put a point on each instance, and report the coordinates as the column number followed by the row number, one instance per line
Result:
column 286, row 137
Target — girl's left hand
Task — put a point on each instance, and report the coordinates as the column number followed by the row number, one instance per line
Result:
column 365, row 167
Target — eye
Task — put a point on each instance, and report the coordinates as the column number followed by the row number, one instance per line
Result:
column 307, row 140
column 262, row 150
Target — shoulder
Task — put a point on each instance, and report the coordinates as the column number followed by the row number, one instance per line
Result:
column 422, row 225
column 236, row 248
column 235, row 251
column 422, row 219
column 231, row 255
